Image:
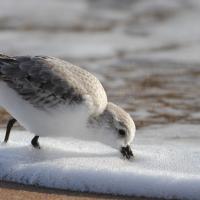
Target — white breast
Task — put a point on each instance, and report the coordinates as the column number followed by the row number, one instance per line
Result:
column 62, row 121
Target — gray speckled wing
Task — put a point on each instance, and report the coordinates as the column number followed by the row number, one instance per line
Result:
column 47, row 82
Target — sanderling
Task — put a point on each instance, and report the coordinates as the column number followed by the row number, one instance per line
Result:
column 43, row 93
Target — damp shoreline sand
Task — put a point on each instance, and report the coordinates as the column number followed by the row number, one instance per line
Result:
column 13, row 191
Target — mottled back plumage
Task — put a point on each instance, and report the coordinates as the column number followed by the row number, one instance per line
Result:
column 46, row 82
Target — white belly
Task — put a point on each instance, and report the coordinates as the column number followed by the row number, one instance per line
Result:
column 64, row 121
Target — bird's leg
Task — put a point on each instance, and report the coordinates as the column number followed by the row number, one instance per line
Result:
column 10, row 124
column 35, row 142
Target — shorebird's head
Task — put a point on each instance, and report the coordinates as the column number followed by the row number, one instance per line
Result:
column 121, row 126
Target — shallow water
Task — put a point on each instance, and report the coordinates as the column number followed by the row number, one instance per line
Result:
column 146, row 53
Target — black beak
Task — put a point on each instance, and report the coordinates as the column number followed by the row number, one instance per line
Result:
column 126, row 152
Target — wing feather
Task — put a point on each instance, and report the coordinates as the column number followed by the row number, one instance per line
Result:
column 47, row 82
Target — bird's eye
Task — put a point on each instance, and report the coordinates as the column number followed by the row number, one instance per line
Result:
column 122, row 132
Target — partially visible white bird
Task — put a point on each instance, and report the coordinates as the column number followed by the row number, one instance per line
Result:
column 37, row 91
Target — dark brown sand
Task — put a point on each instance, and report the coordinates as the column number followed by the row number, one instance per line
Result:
column 13, row 191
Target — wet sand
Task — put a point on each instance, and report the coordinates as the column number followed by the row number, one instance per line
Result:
column 13, row 191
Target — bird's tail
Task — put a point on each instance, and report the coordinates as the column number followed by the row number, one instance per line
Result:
column 3, row 60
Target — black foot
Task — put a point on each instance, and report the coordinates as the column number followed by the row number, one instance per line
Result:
column 10, row 124
column 35, row 142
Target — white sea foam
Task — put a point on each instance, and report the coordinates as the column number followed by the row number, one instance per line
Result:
column 166, row 163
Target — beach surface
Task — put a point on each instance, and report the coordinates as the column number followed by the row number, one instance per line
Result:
column 13, row 191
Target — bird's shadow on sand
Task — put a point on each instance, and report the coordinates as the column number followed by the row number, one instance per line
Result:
column 27, row 154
